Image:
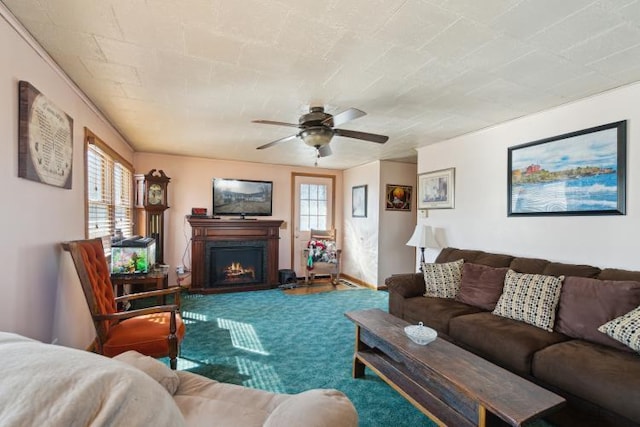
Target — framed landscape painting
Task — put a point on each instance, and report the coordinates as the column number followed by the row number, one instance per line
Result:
column 436, row 189
column 578, row 173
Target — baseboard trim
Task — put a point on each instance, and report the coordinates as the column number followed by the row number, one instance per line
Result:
column 362, row 282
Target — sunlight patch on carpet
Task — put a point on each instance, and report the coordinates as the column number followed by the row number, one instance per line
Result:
column 184, row 364
column 263, row 376
column 192, row 316
column 243, row 336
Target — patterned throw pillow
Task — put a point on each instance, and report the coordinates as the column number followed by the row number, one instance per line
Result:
column 625, row 329
column 530, row 298
column 442, row 280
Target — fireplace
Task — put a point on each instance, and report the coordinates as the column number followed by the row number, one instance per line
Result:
column 233, row 255
column 231, row 263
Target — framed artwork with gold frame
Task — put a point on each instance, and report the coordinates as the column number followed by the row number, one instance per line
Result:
column 398, row 197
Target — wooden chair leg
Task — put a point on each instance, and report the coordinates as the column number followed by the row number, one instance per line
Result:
column 173, row 341
column 174, row 363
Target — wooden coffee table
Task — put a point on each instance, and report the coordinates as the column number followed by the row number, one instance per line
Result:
column 450, row 385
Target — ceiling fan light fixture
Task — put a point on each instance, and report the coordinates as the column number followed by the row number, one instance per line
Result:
column 316, row 136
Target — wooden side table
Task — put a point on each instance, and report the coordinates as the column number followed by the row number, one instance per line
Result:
column 157, row 278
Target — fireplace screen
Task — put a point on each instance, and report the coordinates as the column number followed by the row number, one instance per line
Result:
column 236, row 263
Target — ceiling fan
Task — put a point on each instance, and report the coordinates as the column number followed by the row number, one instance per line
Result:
column 318, row 127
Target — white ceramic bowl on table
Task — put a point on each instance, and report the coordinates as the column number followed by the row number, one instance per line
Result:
column 420, row 334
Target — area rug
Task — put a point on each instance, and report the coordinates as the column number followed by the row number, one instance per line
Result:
column 287, row 344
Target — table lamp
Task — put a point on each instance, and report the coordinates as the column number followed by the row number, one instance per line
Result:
column 422, row 238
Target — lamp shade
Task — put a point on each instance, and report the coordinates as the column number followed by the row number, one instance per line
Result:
column 423, row 237
column 317, row 136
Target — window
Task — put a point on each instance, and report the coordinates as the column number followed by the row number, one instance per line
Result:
column 109, row 197
column 313, row 207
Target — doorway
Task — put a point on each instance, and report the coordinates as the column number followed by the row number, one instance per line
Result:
column 313, row 207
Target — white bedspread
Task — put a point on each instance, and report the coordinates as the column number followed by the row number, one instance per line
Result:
column 48, row 385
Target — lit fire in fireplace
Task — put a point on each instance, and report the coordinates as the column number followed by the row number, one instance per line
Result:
column 237, row 271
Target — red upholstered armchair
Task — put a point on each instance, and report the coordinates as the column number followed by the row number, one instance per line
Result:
column 154, row 331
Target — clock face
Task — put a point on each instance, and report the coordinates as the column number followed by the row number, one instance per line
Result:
column 154, row 195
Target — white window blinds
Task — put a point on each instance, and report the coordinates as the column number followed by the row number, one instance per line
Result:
column 109, row 193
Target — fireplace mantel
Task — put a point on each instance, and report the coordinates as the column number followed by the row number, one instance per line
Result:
column 207, row 229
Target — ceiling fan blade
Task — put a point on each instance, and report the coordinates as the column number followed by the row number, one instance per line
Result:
column 324, row 151
column 380, row 139
column 277, row 141
column 344, row 117
column 271, row 122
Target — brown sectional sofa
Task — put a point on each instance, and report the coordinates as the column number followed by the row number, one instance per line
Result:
column 599, row 377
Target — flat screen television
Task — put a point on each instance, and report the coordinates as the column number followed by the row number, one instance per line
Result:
column 242, row 197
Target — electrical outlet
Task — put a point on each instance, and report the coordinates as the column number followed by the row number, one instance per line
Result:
column 180, row 269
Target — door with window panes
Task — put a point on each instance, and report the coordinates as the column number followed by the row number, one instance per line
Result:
column 313, row 209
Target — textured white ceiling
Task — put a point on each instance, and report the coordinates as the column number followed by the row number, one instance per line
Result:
column 188, row 76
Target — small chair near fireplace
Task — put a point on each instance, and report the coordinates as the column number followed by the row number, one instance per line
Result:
column 321, row 256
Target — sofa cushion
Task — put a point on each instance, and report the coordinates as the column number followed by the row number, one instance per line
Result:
column 506, row 342
column 454, row 254
column 481, row 285
column 435, row 312
column 205, row 402
column 493, row 260
column 561, row 269
column 442, row 280
column 625, row 329
column 528, row 265
column 586, row 304
column 619, row 274
column 577, row 366
column 530, row 298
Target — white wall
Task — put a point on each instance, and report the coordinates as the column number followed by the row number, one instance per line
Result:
column 395, row 226
column 360, row 242
column 479, row 220
column 35, row 217
column 375, row 246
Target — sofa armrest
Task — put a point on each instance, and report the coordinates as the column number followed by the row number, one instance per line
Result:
column 315, row 408
column 406, row 285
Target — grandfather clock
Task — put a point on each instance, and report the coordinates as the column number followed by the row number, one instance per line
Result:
column 154, row 204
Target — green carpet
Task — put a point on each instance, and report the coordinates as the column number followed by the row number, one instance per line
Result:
column 289, row 343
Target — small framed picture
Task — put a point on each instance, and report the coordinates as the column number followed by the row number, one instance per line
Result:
column 359, row 201
column 399, row 197
column 436, row 189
